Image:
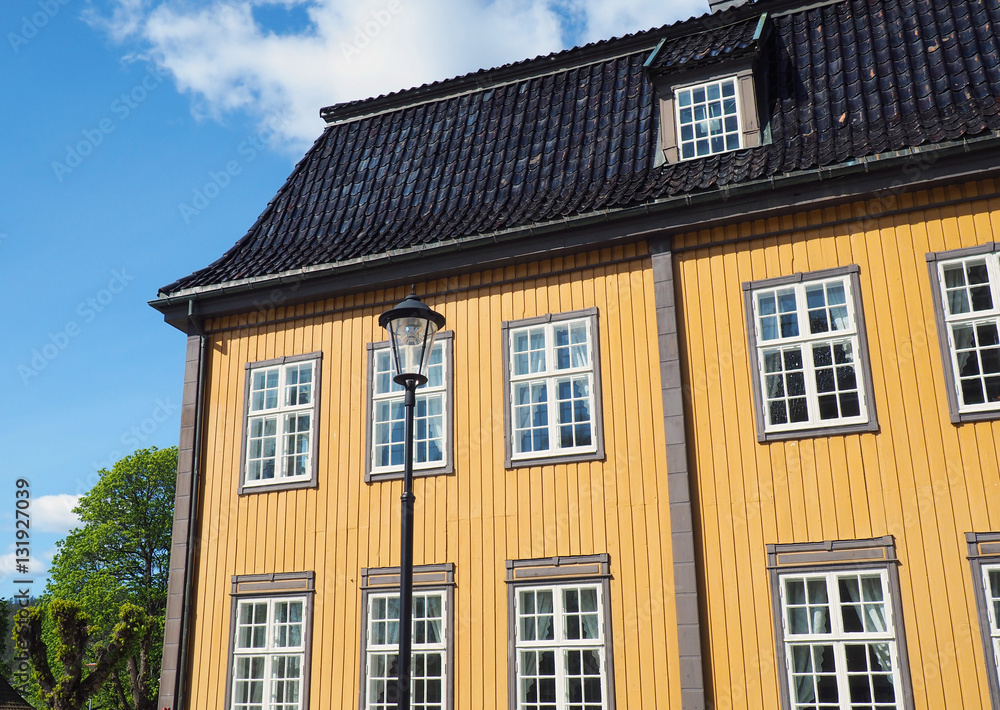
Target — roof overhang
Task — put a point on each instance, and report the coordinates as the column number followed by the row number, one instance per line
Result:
column 874, row 176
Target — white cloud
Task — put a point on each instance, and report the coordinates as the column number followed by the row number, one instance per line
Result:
column 9, row 567
column 227, row 59
column 54, row 514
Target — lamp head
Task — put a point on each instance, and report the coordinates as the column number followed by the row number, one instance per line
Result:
column 412, row 327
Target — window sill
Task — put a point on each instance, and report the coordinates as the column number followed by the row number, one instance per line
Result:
column 864, row 427
column 549, row 458
column 981, row 415
column 376, row 476
column 280, row 486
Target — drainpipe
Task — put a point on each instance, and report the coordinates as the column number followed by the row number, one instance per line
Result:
column 182, row 664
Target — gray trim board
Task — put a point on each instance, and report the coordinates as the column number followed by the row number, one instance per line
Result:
column 271, row 586
column 448, row 466
column 436, row 577
column 864, row 359
column 173, row 670
column 827, row 556
column 554, row 571
column 678, row 482
column 956, row 161
column 951, row 386
column 313, row 481
column 984, row 548
column 597, row 431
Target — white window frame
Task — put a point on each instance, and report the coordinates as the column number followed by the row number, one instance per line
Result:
column 851, row 335
column 992, row 598
column 839, row 639
column 560, row 645
column 984, row 557
column 386, row 650
column 270, row 653
column 974, row 319
column 283, row 413
column 737, row 113
column 378, row 354
column 550, row 377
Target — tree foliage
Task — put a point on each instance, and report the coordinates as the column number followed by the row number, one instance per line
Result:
column 70, row 689
column 119, row 556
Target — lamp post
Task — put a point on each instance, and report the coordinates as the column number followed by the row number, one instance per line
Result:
column 412, row 327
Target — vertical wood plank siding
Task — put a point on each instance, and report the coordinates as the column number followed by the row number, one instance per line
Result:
column 477, row 518
column 919, row 478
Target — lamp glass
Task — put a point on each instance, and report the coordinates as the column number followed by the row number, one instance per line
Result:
column 412, row 340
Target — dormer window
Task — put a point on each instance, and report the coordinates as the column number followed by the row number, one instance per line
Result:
column 708, row 118
column 707, row 90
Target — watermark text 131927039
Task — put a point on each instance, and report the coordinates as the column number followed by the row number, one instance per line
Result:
column 22, row 557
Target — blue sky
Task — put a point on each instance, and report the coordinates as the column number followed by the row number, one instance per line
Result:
column 141, row 139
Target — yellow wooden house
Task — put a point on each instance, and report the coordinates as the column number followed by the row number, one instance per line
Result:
column 713, row 420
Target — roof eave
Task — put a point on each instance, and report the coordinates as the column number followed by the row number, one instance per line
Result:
column 806, row 189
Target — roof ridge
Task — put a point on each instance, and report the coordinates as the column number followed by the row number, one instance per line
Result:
column 559, row 61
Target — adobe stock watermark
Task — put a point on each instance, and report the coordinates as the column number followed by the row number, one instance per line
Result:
column 364, row 34
column 219, row 180
column 87, row 311
column 122, row 107
column 133, row 438
column 32, row 24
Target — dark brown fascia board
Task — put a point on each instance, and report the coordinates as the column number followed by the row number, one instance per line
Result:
column 550, row 64
column 969, row 159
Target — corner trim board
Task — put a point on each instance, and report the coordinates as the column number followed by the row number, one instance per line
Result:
column 678, row 482
column 173, row 668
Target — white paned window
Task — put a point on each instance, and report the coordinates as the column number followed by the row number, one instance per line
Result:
column 970, row 290
column 430, row 415
column 280, row 416
column 840, row 641
column 269, row 654
column 708, row 118
column 991, row 585
column 808, row 355
column 560, row 645
column 428, row 666
column 552, row 388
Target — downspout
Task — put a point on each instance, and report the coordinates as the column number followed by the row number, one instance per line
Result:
column 182, row 665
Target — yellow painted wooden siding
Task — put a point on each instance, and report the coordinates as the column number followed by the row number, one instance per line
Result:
column 919, row 478
column 477, row 518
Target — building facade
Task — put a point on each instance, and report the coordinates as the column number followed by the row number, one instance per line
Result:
column 711, row 422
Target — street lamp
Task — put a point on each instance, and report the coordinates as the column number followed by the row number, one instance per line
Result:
column 412, row 327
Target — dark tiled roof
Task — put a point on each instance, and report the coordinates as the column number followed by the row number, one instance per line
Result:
column 10, row 699
column 712, row 45
column 846, row 80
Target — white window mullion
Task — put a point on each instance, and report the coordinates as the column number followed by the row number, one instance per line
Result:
column 551, row 390
column 809, row 373
column 555, row 425
column 843, row 683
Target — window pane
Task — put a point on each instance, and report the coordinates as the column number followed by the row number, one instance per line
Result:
column 958, row 302
column 954, row 276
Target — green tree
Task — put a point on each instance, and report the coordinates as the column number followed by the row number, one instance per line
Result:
column 118, row 556
column 70, row 689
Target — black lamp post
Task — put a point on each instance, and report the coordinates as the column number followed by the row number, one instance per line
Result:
column 412, row 327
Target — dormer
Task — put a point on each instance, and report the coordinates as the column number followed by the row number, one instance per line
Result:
column 708, row 85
